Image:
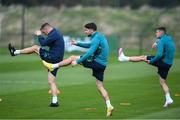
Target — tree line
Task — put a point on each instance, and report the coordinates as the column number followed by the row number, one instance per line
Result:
column 111, row 3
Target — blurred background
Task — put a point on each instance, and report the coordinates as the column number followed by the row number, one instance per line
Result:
column 127, row 23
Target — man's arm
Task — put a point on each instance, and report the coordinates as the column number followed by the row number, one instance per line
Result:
column 154, row 45
column 84, row 45
column 90, row 52
column 81, row 44
column 159, row 53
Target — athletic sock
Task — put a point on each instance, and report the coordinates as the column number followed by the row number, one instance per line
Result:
column 168, row 97
column 108, row 103
column 55, row 65
column 122, row 54
column 126, row 58
column 54, row 99
column 17, row 52
column 123, row 58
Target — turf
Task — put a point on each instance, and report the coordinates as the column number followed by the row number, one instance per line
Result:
column 24, row 87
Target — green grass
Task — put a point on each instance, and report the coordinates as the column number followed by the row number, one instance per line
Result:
column 23, row 90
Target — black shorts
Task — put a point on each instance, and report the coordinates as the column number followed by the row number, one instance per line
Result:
column 44, row 54
column 97, row 69
column 163, row 68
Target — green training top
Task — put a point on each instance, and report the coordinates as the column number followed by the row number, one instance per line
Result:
column 98, row 41
column 165, row 50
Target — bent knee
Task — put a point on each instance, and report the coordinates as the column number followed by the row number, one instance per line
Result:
column 36, row 48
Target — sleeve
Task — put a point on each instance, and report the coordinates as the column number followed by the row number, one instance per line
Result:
column 46, row 41
column 159, row 53
column 93, row 47
column 84, row 45
column 36, row 40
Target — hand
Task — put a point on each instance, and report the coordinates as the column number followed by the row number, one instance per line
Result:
column 73, row 63
column 38, row 32
column 73, row 42
column 154, row 45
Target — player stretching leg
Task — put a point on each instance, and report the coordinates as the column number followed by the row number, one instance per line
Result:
column 163, row 59
column 55, row 42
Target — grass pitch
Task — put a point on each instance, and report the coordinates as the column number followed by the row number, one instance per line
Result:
column 133, row 88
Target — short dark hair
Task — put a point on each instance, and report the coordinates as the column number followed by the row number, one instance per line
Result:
column 91, row 26
column 44, row 25
column 161, row 29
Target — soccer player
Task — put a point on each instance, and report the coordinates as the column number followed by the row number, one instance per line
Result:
column 54, row 40
column 163, row 60
column 95, row 58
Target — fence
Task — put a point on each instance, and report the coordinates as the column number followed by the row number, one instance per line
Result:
column 11, row 28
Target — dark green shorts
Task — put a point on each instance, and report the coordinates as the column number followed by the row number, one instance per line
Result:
column 163, row 68
column 97, row 69
column 44, row 54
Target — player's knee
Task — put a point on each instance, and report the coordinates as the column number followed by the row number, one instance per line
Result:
column 99, row 85
column 162, row 82
column 35, row 47
column 143, row 57
column 72, row 57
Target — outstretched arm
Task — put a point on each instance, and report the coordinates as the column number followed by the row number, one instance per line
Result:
column 84, row 45
column 81, row 44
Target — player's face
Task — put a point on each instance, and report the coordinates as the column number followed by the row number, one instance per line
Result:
column 44, row 31
column 159, row 33
column 88, row 32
